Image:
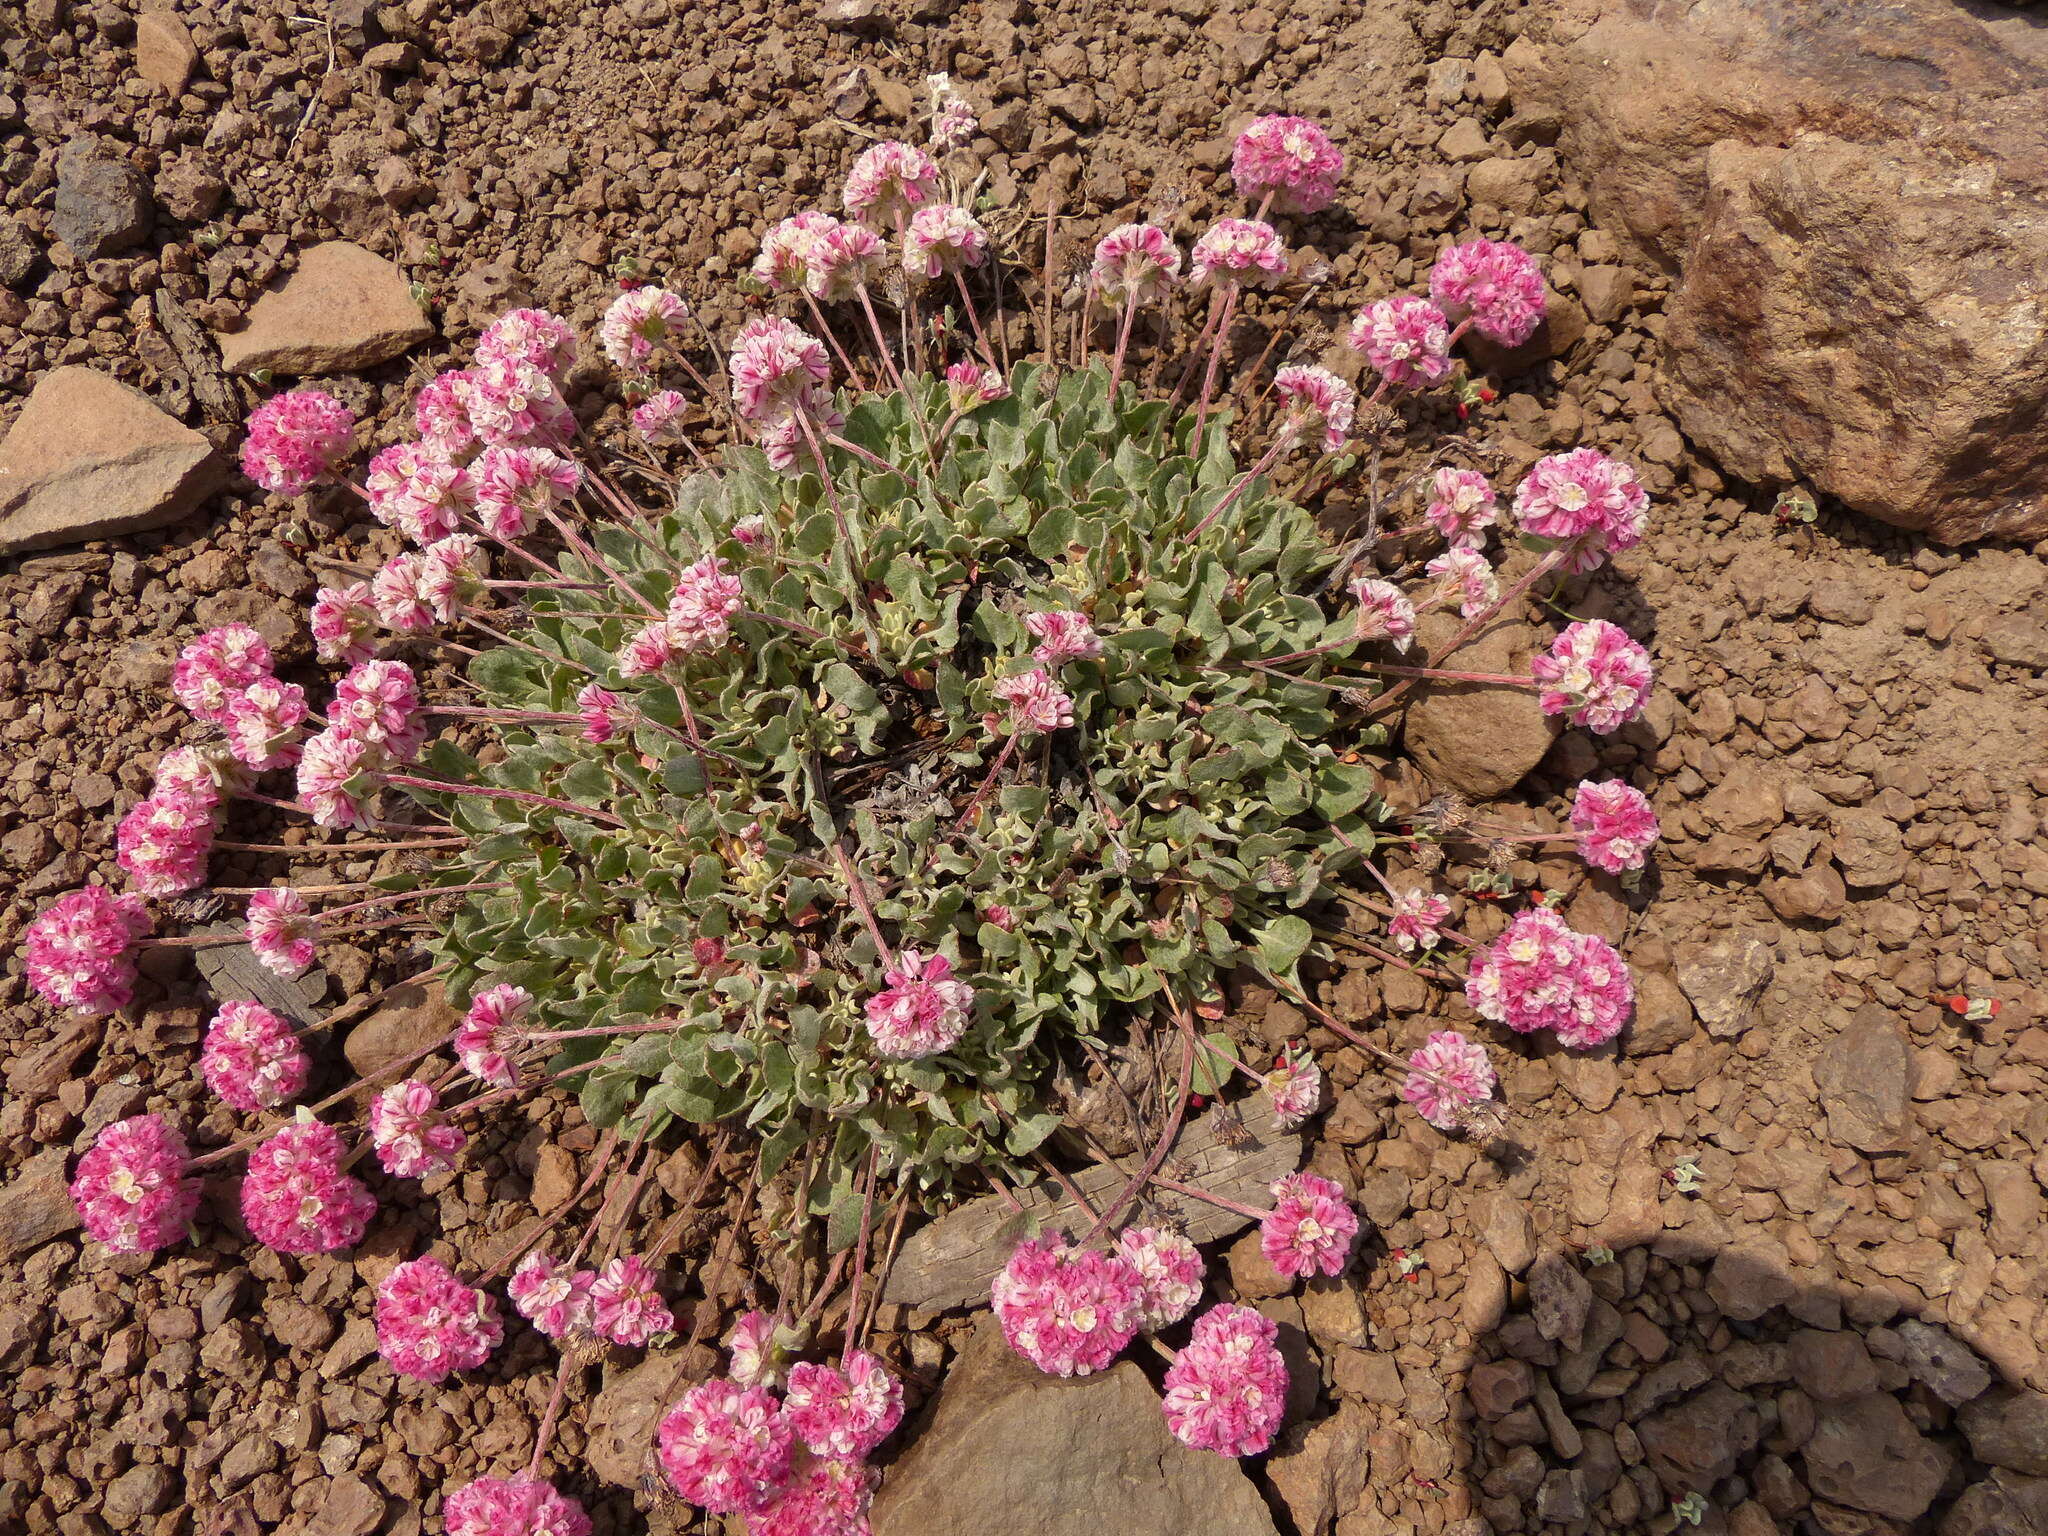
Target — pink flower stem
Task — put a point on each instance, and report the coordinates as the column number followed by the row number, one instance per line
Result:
column 1227, row 307
column 863, row 901
column 347, row 848
column 548, row 1418
column 1221, row 1202
column 492, row 712
column 826, row 1286
column 988, row 353
column 1123, row 339
column 882, row 350
column 873, row 461
column 1536, row 573
column 1280, row 445
column 552, row 586
column 853, row 374
column 1073, row 1190
column 504, row 639
column 548, row 1223
column 860, row 1257
column 217, row 940
column 1504, row 679
column 974, row 806
column 443, row 787
column 421, row 894
column 674, row 1226
column 584, row 548
column 1167, row 1134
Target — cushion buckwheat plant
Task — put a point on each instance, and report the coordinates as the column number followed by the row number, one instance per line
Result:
column 957, row 714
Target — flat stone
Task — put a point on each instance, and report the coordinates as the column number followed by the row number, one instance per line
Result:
column 1087, row 1454
column 2004, row 1504
column 103, row 203
column 1865, row 1077
column 35, row 1205
column 164, row 52
column 1866, row 1454
column 1751, row 1278
column 89, row 458
column 2009, row 1429
column 1476, row 738
column 1696, row 1442
column 344, row 309
column 1321, row 1469
column 1560, row 1299
column 1950, row 1368
column 1723, row 980
column 1505, row 1228
column 414, row 1017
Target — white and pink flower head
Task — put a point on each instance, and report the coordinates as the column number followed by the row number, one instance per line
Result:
column 638, row 321
column 600, row 710
column 1296, row 1086
column 204, row 775
column 843, row 261
column 296, row 1197
column 163, row 843
column 1540, row 974
column 1037, row 704
column 1135, row 264
column 1594, row 675
column 1461, row 507
column 1448, row 1077
column 922, row 1009
column 726, row 1448
column 1586, row 500
column 451, row 574
column 970, row 384
column 1418, row 913
column 1407, row 341
column 513, row 1506
column 295, row 440
column 552, row 1296
column 1170, row 1273
column 491, row 1036
column 529, row 338
column 216, row 667
column 1062, row 636
column 942, row 238
column 843, row 1414
column 1288, row 160
column 1247, row 251
column 1068, row 1310
column 889, row 183
column 130, row 1187
column 1316, row 398
column 337, row 778
column 784, row 264
column 659, row 418
column 1384, row 612
column 517, row 487
column 411, row 1138
column 824, row 1497
column 625, row 1305
column 79, row 951
column 282, row 930
column 647, row 650
column 1615, row 825
column 700, row 611
column 429, row 1324
column 754, row 1359
column 405, row 593
column 441, row 416
column 264, row 724
column 252, row 1058
column 1467, row 577
column 778, row 370
column 1226, row 1391
column 1312, row 1228
column 1495, row 285
column 378, row 702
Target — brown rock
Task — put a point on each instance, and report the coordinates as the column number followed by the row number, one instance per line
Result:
column 1830, row 1365
column 1505, row 1228
column 1498, row 1388
column 1662, row 1019
column 2004, row 1504
column 347, row 1506
column 1474, row 738
column 35, row 1205
column 103, row 202
column 88, row 458
column 139, row 1493
column 1560, row 1299
column 344, row 309
column 1088, row 1454
column 1759, row 150
column 622, row 1417
column 1751, row 1278
column 413, row 1018
column 1865, row 1077
column 1954, row 1371
column 1695, row 1443
column 1322, row 1469
column 1724, row 978
column 2009, row 1429
column 1866, row 1454
column 164, row 52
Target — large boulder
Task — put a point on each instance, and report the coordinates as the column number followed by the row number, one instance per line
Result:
column 1850, row 199
column 88, row 458
column 1008, row 1449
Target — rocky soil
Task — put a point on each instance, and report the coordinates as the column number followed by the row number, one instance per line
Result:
column 1841, row 1329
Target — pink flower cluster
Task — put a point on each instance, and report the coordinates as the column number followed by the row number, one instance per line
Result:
column 1068, row 1310
column 513, row 1506
column 1311, row 1229
column 282, row 930
column 344, row 622
column 727, row 1448
column 1418, row 913
column 754, row 1360
column 1247, row 251
column 130, row 1188
column 1467, row 577
column 780, row 378
column 625, row 1306
column 1407, row 341
column 1540, row 974
column 295, row 439
column 1315, row 397
column 638, row 321
column 79, row 952
column 844, row 260
column 1497, row 286
column 378, row 703
column 164, row 841
column 1296, row 1085
column 890, row 182
column 528, row 338
column 1594, row 675
column 1289, row 160
column 517, row 487
column 1062, row 637
column 969, row 384
column 1170, row 1273
column 251, row 1058
column 264, row 723
column 1227, row 1389
column 488, row 1039
column 430, row 1324
column 1037, row 704
column 1446, row 1077
column 213, row 670
column 659, row 418
column 335, row 779
column 1615, row 825
column 943, row 237
column 600, row 710
column 1384, row 612
column 418, row 488
column 1136, row 265
column 1461, row 507
column 1585, row 499
column 823, row 1498
column 296, row 1198
column 551, row 1296
column 922, row 1008
column 843, row 1413
column 785, row 262
column 707, row 595
column 411, row 1139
